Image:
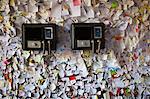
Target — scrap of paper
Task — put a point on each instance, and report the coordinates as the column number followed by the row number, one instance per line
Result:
column 87, row 2
column 65, row 10
column 56, row 10
column 76, row 2
column 114, row 5
column 74, row 10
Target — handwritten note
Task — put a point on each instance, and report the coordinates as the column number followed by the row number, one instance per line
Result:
column 76, row 2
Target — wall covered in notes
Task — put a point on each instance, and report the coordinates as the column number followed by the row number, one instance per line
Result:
column 122, row 70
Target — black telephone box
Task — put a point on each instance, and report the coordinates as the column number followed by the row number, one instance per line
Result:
column 37, row 36
column 83, row 35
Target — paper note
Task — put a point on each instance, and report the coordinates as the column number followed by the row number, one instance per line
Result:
column 56, row 10
column 38, row 58
column 29, row 87
column 1, row 83
column 65, row 10
column 119, row 83
column 76, row 2
column 75, row 10
column 114, row 5
column 1, row 76
column 82, row 67
column 87, row 2
column 26, row 54
column 90, row 13
column 32, row 8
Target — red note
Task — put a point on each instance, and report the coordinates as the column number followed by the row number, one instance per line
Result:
column 72, row 77
column 118, row 91
column 76, row 2
column 118, row 38
column 137, row 29
column 135, row 56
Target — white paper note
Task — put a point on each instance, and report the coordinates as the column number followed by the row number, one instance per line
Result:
column 87, row 2
column 75, row 10
column 56, row 10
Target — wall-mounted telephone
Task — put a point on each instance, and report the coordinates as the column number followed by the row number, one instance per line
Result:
column 39, row 37
column 88, row 36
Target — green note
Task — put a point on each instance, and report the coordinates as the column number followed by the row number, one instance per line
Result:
column 114, row 5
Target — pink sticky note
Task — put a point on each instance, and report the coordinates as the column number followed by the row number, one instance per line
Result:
column 76, row 2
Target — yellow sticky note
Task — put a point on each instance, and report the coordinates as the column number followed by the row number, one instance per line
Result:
column 55, row 72
column 21, row 87
column 99, row 71
column 8, row 26
column 1, row 18
column 87, row 53
column 141, row 58
column 23, row 13
column 12, row 3
column 41, row 81
column 26, row 54
column 148, row 41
